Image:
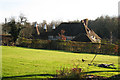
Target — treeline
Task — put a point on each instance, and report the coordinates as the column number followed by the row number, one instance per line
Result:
column 23, row 28
column 106, row 27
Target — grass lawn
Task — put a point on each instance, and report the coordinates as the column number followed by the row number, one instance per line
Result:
column 25, row 62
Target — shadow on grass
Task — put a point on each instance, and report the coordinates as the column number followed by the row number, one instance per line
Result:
column 53, row 75
column 116, row 77
column 102, row 71
column 31, row 75
column 77, row 52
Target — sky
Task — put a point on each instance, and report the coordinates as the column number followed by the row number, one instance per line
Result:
column 63, row 10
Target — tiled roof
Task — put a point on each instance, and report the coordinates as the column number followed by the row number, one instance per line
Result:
column 71, row 29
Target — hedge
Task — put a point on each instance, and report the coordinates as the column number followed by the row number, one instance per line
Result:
column 72, row 46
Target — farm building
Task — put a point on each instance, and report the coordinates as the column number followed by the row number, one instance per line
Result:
column 76, row 32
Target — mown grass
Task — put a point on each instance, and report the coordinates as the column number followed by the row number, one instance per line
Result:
column 25, row 62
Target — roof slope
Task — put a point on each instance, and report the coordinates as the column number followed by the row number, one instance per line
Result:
column 71, row 29
column 82, row 38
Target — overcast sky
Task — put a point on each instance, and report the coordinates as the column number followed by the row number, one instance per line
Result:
column 65, row 10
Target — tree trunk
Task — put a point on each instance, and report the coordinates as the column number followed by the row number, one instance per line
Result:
column 111, row 37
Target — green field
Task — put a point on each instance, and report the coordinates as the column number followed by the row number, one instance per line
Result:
column 25, row 62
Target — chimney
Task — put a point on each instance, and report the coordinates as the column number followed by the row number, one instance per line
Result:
column 5, row 20
column 53, row 28
column 36, row 26
column 86, row 21
column 45, row 28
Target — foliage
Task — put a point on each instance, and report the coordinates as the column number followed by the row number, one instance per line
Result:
column 32, row 43
column 104, row 25
column 27, row 32
column 13, row 28
column 72, row 46
column 7, row 41
column 14, row 31
column 74, row 72
column 22, row 18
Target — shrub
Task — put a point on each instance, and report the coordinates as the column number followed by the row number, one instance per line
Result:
column 23, row 42
column 72, row 46
column 74, row 72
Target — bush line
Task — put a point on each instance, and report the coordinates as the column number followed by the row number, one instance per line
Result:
column 87, row 47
